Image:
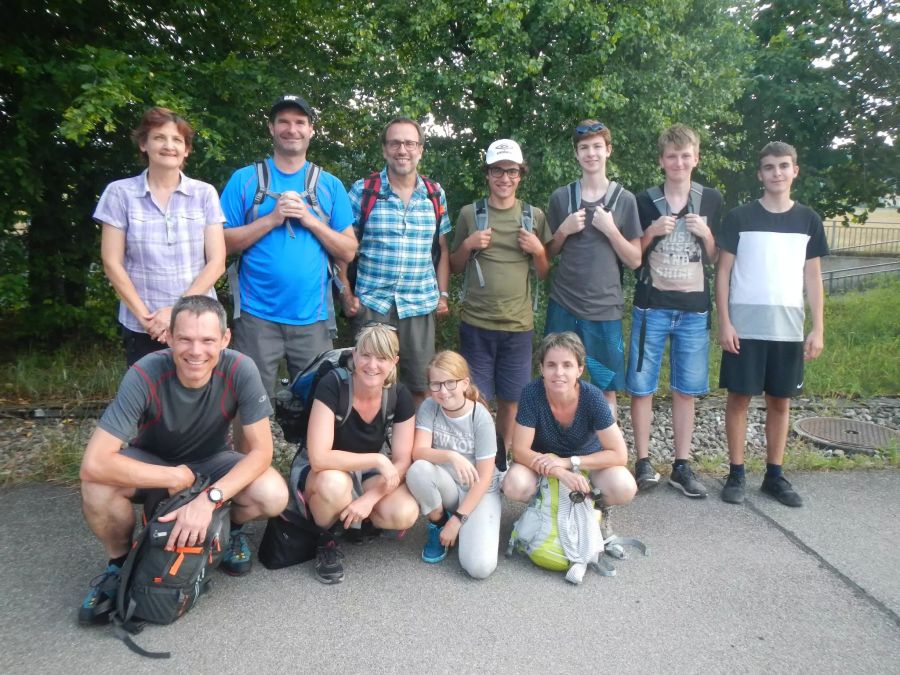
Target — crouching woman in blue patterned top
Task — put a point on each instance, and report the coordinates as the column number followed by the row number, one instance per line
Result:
column 563, row 427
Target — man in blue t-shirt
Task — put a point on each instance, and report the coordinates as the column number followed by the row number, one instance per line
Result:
column 283, row 300
column 172, row 413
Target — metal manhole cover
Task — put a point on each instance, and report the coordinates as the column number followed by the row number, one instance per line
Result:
column 849, row 435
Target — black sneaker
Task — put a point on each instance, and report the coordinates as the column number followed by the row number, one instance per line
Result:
column 733, row 492
column 645, row 475
column 683, row 478
column 781, row 489
column 329, row 568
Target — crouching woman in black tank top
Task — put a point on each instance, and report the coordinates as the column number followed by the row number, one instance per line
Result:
column 350, row 480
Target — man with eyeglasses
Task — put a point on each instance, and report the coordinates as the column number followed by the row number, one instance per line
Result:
column 285, row 237
column 397, row 281
column 496, row 243
column 595, row 231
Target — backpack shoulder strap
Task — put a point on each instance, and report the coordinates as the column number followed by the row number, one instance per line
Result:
column 370, row 192
column 696, row 196
column 345, row 398
column 659, row 200
column 310, row 191
column 434, row 196
column 613, row 192
column 262, row 189
column 388, row 404
column 574, row 196
column 527, row 217
column 481, row 214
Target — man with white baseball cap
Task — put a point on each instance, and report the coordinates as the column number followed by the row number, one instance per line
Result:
column 498, row 244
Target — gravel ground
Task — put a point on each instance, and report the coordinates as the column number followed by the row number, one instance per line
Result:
column 32, row 448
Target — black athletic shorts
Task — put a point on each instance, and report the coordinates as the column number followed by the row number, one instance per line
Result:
column 775, row 368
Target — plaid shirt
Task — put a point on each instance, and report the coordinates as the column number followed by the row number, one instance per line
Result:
column 395, row 266
column 164, row 250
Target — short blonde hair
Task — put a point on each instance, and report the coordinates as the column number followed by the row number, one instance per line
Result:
column 680, row 136
column 567, row 340
column 455, row 365
column 380, row 340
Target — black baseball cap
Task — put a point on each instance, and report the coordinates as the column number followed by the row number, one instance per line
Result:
column 292, row 100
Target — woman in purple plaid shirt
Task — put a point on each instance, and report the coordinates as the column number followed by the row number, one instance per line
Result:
column 162, row 234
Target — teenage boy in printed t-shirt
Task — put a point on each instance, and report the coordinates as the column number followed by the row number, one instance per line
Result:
column 672, row 301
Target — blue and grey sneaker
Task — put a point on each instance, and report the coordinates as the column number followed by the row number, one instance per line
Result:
column 101, row 598
column 237, row 559
column 434, row 550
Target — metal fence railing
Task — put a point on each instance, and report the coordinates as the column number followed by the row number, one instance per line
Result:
column 873, row 238
column 859, row 277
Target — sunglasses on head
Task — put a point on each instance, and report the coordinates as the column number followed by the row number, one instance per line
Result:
column 583, row 129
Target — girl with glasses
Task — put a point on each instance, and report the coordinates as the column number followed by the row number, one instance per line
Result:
column 453, row 477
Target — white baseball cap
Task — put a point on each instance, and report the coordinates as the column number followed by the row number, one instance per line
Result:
column 504, row 149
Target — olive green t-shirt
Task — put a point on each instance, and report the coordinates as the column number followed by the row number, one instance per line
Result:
column 505, row 301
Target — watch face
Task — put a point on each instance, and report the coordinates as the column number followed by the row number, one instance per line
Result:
column 215, row 495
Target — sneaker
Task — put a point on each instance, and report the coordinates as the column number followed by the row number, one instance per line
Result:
column 645, row 475
column 733, row 492
column 329, row 568
column 683, row 478
column 237, row 559
column 781, row 489
column 100, row 601
column 434, row 550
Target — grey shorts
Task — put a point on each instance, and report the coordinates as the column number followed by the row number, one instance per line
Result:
column 267, row 342
column 214, row 467
column 416, row 337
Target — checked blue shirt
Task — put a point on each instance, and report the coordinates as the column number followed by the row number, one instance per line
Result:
column 395, row 266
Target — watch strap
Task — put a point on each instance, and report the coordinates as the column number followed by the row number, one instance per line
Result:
column 463, row 517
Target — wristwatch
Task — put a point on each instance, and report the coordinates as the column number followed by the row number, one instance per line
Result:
column 445, row 294
column 215, row 495
column 576, row 462
column 463, row 517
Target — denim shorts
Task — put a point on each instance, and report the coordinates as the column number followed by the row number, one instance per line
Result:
column 688, row 351
column 602, row 340
column 500, row 360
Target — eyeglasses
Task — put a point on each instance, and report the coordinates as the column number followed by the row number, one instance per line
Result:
column 449, row 385
column 396, row 145
column 583, row 129
column 497, row 172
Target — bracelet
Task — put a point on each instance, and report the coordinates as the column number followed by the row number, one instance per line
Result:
column 445, row 294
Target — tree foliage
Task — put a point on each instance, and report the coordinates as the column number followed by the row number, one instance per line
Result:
column 75, row 76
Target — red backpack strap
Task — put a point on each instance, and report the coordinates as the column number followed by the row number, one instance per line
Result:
column 434, row 196
column 371, row 189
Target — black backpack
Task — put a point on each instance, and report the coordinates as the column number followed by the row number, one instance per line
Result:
column 159, row 586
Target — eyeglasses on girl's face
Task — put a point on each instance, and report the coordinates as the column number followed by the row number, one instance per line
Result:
column 449, row 385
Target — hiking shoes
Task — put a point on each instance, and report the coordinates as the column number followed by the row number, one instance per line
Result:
column 645, row 475
column 237, row 559
column 329, row 568
column 683, row 478
column 733, row 492
column 781, row 489
column 434, row 550
column 101, row 598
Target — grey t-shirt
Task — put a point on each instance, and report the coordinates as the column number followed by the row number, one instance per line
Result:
column 587, row 282
column 153, row 411
column 473, row 435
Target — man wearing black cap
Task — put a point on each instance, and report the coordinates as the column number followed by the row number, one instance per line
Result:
column 285, row 217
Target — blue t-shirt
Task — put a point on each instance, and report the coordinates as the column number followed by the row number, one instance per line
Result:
column 592, row 415
column 284, row 279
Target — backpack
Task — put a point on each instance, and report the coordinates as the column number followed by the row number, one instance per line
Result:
column 643, row 281
column 481, row 223
column 371, row 193
column 158, row 586
column 291, row 537
column 610, row 199
column 559, row 530
column 263, row 190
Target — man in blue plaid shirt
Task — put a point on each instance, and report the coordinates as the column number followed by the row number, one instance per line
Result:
column 397, row 283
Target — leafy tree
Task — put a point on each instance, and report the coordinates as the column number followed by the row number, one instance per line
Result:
column 823, row 78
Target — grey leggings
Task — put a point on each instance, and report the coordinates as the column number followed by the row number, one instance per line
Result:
column 433, row 486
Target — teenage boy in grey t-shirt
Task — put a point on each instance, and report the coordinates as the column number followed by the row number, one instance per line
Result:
column 592, row 239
